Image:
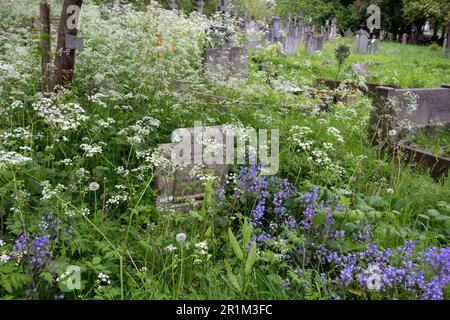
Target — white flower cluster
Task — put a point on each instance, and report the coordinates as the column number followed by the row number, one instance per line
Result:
column 104, row 279
column 12, row 158
column 48, row 191
column 10, row 137
column 65, row 116
column 4, row 258
column 139, row 132
column 91, row 150
column 335, row 133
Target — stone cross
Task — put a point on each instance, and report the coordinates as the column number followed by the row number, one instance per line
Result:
column 161, row 48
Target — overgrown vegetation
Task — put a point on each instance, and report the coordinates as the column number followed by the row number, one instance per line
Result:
column 342, row 219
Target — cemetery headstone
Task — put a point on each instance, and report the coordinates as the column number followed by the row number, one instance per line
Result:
column 226, row 61
column 223, row 7
column 360, row 69
column 413, row 39
column 174, row 5
column 348, row 34
column 373, row 46
column 427, row 29
column 180, row 183
column 405, row 38
column 362, row 41
column 333, row 33
column 277, row 27
column 200, row 5
column 393, row 109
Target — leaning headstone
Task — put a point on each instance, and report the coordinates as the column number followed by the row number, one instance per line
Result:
column 179, row 180
column 362, row 41
column 360, row 69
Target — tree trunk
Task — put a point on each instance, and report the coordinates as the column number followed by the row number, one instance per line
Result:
column 46, row 83
column 65, row 58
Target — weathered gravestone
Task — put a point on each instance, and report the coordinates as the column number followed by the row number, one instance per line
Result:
column 276, row 30
column 179, row 178
column 360, row 69
column 333, row 33
column 373, row 46
column 314, row 43
column 254, row 36
column 293, row 38
column 173, row 5
column 348, row 34
column 393, row 110
column 446, row 48
column 362, row 41
column 200, row 5
column 226, row 61
column 405, row 38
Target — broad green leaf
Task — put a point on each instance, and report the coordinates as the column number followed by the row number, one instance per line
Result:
column 247, row 233
column 231, row 276
column 235, row 246
column 251, row 258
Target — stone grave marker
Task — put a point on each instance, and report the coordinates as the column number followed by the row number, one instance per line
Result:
column 405, row 38
column 314, row 43
column 360, row 69
column 373, row 46
column 446, row 48
column 333, row 33
column 181, row 182
column 393, row 109
column 277, row 27
column 362, row 41
column 173, row 5
column 226, row 61
column 200, row 5
column 223, row 7
column 348, row 34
